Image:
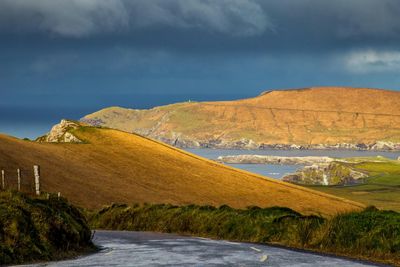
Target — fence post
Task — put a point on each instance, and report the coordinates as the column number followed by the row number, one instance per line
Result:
column 19, row 179
column 36, row 172
column 3, row 183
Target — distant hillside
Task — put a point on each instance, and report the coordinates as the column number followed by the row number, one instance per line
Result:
column 115, row 166
column 312, row 117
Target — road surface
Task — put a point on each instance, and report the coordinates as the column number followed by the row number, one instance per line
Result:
column 127, row 248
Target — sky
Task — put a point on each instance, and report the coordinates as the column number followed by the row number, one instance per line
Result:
column 67, row 58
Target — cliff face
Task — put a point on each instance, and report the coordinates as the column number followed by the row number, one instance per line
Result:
column 330, row 117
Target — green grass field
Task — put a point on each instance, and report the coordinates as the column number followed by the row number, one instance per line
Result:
column 381, row 188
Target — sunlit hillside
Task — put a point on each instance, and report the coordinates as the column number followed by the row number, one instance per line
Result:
column 115, row 166
column 319, row 115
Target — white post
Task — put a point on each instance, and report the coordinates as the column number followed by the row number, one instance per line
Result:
column 36, row 172
column 3, row 178
column 19, row 179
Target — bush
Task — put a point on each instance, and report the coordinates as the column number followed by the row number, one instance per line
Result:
column 40, row 229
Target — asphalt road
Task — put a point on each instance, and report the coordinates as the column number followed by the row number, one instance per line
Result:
column 126, row 248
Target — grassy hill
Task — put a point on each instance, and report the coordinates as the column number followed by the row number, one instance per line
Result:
column 115, row 166
column 320, row 115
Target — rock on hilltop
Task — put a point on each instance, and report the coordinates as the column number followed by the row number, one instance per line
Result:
column 60, row 133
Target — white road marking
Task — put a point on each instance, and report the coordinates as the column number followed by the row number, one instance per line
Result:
column 203, row 238
column 231, row 243
column 263, row 258
column 256, row 249
column 108, row 253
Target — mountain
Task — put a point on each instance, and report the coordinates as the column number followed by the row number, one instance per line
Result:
column 318, row 117
column 103, row 166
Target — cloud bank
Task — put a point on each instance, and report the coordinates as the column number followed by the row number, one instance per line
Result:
column 80, row 18
column 72, row 18
column 373, row 61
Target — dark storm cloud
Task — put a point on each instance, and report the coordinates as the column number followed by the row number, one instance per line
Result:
column 362, row 35
column 82, row 18
column 76, row 56
column 338, row 19
column 255, row 24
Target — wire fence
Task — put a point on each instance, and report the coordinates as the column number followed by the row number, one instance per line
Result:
column 22, row 180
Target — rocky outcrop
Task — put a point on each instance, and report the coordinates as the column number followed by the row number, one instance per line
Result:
column 381, row 145
column 182, row 141
column 93, row 122
column 186, row 142
column 262, row 159
column 333, row 173
column 60, row 133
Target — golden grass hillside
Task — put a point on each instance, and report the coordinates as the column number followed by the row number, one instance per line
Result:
column 115, row 166
column 319, row 115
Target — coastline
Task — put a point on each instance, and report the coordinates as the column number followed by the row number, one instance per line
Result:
column 248, row 144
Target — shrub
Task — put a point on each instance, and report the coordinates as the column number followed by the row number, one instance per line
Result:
column 40, row 229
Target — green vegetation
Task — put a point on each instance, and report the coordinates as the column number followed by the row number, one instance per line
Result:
column 369, row 234
column 190, row 120
column 33, row 229
column 333, row 173
column 381, row 188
